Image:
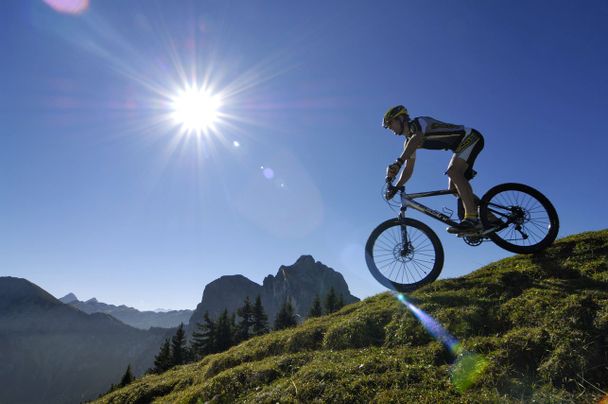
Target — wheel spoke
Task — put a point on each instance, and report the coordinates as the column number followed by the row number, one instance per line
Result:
column 518, row 205
column 404, row 254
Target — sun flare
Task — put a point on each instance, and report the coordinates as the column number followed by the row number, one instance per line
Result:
column 196, row 109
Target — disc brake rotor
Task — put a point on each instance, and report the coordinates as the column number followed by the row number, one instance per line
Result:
column 403, row 253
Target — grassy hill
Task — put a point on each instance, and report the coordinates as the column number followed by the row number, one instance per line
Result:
column 540, row 323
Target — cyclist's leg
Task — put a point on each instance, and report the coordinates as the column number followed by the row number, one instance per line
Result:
column 456, row 172
column 459, row 205
column 468, row 150
column 470, row 155
column 461, row 171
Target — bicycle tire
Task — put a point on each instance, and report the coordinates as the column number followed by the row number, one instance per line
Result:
column 374, row 259
column 501, row 238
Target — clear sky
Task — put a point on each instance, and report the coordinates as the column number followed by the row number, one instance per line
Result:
column 103, row 194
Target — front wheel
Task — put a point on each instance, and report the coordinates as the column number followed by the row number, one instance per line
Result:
column 404, row 255
column 530, row 222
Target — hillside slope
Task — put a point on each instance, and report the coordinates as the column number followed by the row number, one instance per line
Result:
column 541, row 322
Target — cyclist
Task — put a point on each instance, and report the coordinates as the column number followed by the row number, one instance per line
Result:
column 429, row 133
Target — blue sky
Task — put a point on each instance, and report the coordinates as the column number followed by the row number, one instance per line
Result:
column 102, row 196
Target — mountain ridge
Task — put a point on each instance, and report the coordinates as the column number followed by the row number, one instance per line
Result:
column 299, row 282
column 142, row 319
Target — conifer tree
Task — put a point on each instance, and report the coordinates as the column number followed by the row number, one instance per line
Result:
column 315, row 309
column 189, row 355
column 224, row 332
column 260, row 319
column 247, row 320
column 178, row 346
column 285, row 317
column 340, row 303
column 162, row 361
column 233, row 330
column 331, row 301
column 203, row 339
column 127, row 378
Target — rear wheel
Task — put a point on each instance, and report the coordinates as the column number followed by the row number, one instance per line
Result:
column 404, row 255
column 530, row 222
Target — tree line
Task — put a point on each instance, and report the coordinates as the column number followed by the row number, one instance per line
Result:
column 217, row 335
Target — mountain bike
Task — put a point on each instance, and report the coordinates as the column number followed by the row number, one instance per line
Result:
column 404, row 254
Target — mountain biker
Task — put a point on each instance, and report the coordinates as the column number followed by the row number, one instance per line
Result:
column 428, row 133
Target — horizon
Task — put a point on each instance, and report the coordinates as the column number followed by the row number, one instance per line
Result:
column 172, row 309
column 113, row 189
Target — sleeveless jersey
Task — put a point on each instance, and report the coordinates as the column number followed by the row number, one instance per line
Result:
column 438, row 135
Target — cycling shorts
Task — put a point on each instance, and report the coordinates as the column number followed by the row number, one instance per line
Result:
column 468, row 149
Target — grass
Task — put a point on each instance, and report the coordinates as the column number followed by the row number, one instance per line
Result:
column 535, row 329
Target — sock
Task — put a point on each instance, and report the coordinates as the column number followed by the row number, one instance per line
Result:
column 472, row 217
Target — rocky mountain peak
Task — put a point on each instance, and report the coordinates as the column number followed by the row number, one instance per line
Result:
column 299, row 282
column 305, row 260
column 70, row 297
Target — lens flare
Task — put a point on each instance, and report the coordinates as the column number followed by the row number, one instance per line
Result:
column 68, row 6
column 467, row 369
column 468, row 366
column 268, row 173
column 431, row 325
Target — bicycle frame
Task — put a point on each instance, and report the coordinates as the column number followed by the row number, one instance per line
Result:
column 407, row 200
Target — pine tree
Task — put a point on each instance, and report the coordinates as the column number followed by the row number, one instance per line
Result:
column 331, row 301
column 203, row 340
column 127, row 378
column 224, row 332
column 285, row 317
column 315, row 309
column 189, row 355
column 260, row 319
column 162, row 361
column 247, row 320
column 233, row 330
column 178, row 346
column 340, row 303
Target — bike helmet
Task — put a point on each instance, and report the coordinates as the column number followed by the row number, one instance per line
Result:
column 392, row 113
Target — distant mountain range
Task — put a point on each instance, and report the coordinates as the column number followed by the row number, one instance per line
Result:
column 56, row 352
column 129, row 315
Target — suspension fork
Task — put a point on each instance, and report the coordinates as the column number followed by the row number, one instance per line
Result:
column 405, row 245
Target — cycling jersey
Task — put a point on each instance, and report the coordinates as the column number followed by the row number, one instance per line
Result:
column 438, row 135
column 466, row 143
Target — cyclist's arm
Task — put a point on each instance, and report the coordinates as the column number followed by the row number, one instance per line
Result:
column 407, row 171
column 411, row 145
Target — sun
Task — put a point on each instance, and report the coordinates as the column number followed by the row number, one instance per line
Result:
column 196, row 109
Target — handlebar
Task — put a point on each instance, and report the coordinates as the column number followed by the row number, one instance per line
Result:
column 390, row 186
